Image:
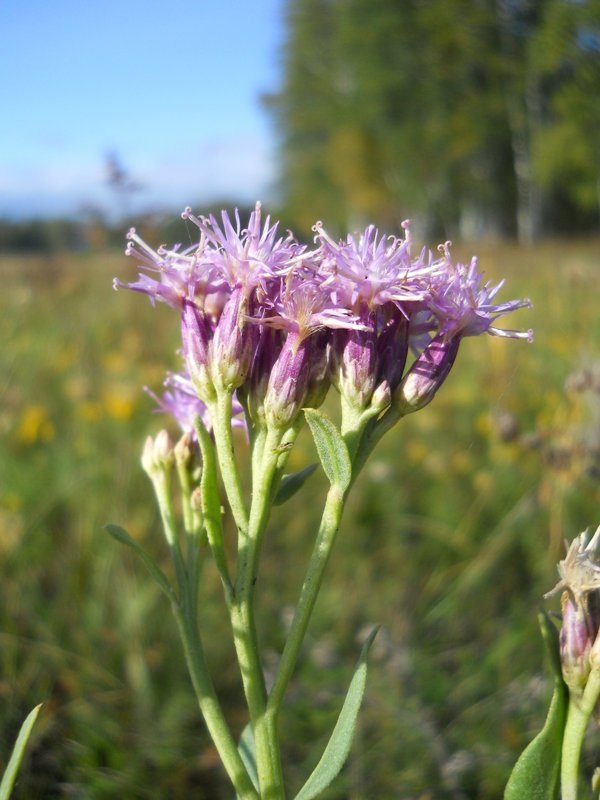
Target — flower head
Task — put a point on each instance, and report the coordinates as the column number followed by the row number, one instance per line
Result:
column 346, row 312
column 464, row 305
column 246, row 256
column 372, row 269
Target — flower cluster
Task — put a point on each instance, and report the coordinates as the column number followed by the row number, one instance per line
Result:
column 276, row 322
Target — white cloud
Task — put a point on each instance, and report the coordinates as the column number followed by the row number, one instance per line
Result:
column 237, row 167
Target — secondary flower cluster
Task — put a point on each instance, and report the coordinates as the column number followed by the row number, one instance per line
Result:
column 276, row 322
column 580, row 584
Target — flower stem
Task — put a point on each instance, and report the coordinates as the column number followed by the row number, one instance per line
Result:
column 268, row 760
column 578, row 715
column 221, row 418
column 328, row 529
column 209, row 704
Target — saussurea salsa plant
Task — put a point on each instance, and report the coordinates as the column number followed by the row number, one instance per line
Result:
column 268, row 325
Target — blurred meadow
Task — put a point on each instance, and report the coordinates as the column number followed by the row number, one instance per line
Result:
column 449, row 542
column 455, row 526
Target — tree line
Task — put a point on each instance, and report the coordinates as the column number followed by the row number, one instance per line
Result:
column 479, row 117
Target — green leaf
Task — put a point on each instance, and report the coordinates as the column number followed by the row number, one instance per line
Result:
column 121, row 535
column 331, row 448
column 12, row 768
column 536, row 775
column 247, row 752
column 338, row 746
column 290, row 484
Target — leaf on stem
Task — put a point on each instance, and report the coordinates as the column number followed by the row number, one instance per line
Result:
column 247, row 750
column 536, row 775
column 338, row 746
column 331, row 448
column 12, row 768
column 121, row 535
column 292, row 483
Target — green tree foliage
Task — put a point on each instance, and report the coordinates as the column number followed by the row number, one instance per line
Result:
column 478, row 115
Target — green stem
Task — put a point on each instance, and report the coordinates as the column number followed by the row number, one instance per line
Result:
column 241, row 603
column 209, row 704
column 162, row 489
column 330, row 522
column 220, row 412
column 211, row 507
column 268, row 760
column 372, row 433
column 578, row 715
column 354, row 423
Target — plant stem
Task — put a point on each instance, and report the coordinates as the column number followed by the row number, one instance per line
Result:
column 373, row 432
column 328, row 529
column 209, row 704
column 241, row 602
column 221, row 417
column 242, row 615
column 578, row 715
column 353, row 427
column 162, row 490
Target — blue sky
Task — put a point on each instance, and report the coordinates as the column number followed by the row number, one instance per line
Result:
column 173, row 88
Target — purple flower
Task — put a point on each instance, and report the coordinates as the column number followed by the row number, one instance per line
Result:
column 246, row 256
column 290, row 378
column 181, row 274
column 426, row 375
column 181, row 401
column 262, row 315
column 464, row 305
column 303, row 305
column 373, row 271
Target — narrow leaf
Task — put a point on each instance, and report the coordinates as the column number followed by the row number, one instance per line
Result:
column 331, row 448
column 247, row 752
column 121, row 535
column 338, row 746
column 12, row 768
column 290, row 484
column 536, row 775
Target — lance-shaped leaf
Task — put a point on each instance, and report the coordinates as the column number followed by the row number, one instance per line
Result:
column 338, row 746
column 331, row 448
column 292, row 483
column 121, row 535
column 12, row 768
column 536, row 775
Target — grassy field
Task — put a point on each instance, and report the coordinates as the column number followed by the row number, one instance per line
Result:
column 449, row 542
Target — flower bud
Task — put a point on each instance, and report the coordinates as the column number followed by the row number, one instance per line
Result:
column 319, row 370
column 382, row 397
column 233, row 343
column 288, row 383
column 185, row 450
column 158, row 455
column 392, row 350
column 426, row 375
column 575, row 644
column 196, row 334
column 358, row 364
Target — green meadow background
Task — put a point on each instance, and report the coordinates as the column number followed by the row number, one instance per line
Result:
column 449, row 541
column 480, row 120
